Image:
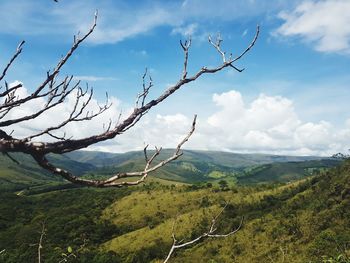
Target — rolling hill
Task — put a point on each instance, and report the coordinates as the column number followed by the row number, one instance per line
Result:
column 192, row 167
column 304, row 221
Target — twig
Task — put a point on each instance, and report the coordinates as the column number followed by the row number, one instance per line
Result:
column 210, row 233
column 40, row 246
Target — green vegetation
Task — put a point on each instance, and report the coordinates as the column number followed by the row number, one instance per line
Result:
column 305, row 220
column 194, row 167
column 284, row 172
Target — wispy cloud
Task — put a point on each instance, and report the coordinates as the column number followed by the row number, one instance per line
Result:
column 140, row 53
column 322, row 24
column 185, row 31
column 93, row 78
column 120, row 20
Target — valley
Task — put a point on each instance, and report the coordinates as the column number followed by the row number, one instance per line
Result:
column 294, row 208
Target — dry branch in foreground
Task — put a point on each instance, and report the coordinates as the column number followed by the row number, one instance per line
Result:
column 55, row 91
column 211, row 233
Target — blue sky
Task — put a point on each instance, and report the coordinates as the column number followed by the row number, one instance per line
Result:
column 292, row 98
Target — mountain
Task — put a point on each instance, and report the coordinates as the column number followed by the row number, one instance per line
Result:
column 200, row 166
column 303, row 221
column 285, row 172
column 27, row 173
column 192, row 167
column 226, row 159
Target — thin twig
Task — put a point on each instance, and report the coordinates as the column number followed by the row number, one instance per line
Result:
column 210, row 233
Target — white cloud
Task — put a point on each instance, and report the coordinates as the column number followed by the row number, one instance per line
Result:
column 114, row 27
column 116, row 21
column 323, row 24
column 139, row 53
column 92, row 78
column 120, row 20
column 185, row 31
column 58, row 114
column 270, row 124
column 267, row 124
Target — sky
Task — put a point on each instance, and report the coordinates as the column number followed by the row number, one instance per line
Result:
column 292, row 98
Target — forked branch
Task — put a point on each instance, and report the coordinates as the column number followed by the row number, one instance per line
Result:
column 18, row 51
column 116, row 180
column 211, row 233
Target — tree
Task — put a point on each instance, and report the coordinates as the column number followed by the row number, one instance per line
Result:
column 223, row 185
column 210, row 233
column 56, row 91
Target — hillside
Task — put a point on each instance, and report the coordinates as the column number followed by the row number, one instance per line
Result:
column 225, row 159
column 27, row 173
column 202, row 166
column 284, row 172
column 192, row 167
column 297, row 222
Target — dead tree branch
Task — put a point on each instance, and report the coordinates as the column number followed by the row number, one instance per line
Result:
column 211, row 233
column 40, row 242
column 55, row 92
column 18, row 51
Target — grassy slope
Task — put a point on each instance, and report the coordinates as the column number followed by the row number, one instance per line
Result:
column 27, row 173
column 199, row 166
column 284, row 172
column 151, row 213
column 224, row 159
column 192, row 167
column 298, row 222
column 302, row 221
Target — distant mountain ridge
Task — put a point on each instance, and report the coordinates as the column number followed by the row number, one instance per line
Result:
column 229, row 159
column 193, row 167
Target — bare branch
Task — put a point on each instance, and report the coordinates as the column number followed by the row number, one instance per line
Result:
column 185, row 46
column 217, row 46
column 142, row 96
column 209, row 234
column 40, row 246
column 10, row 90
column 145, row 153
column 249, row 47
column 114, row 181
column 18, row 51
column 51, row 76
column 49, row 104
column 55, row 92
column 10, row 157
column 75, row 115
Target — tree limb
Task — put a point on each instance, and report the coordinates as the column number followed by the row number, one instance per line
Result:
column 114, row 181
column 56, row 92
column 211, row 233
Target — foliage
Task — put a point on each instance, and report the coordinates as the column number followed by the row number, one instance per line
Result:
column 302, row 221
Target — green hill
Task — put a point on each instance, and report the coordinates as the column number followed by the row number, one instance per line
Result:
column 296, row 222
column 192, row 167
column 201, row 166
column 27, row 174
column 284, row 172
column 225, row 159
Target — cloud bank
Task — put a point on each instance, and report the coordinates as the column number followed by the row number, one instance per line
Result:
column 268, row 124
